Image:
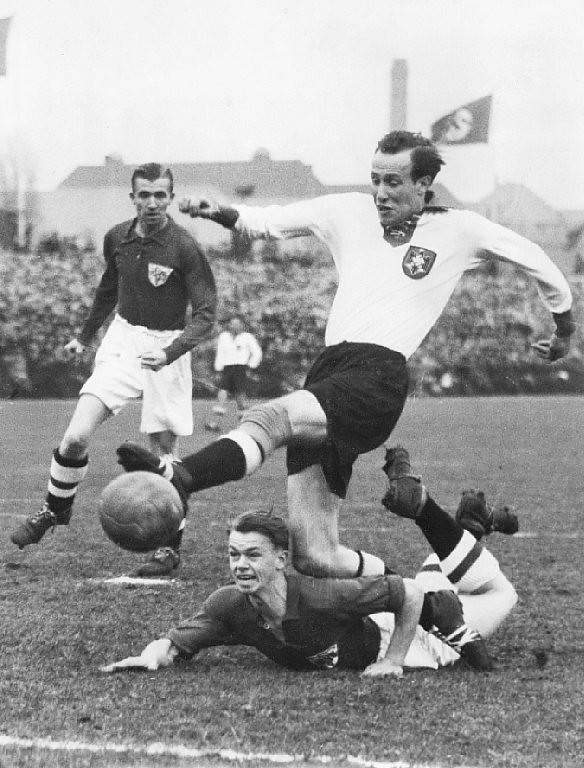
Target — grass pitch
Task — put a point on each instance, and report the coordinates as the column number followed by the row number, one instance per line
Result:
column 60, row 621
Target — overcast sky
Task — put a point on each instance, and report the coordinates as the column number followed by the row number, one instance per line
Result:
column 192, row 80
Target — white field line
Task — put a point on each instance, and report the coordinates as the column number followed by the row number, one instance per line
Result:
column 229, row 755
column 115, row 580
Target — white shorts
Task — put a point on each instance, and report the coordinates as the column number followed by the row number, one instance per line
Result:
column 426, row 649
column 483, row 611
column 118, row 378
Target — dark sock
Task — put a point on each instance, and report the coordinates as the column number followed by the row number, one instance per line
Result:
column 176, row 542
column 219, row 462
column 426, row 619
column 442, row 531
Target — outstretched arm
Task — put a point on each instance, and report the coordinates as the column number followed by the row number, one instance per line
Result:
column 280, row 222
column 157, row 654
column 406, row 622
column 496, row 241
column 206, row 208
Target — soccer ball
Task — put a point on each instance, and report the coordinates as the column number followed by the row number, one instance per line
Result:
column 140, row 511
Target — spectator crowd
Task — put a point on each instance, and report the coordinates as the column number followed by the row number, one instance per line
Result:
column 480, row 346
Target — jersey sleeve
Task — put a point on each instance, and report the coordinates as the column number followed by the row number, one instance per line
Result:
column 497, row 242
column 106, row 295
column 207, row 628
column 255, row 351
column 352, row 598
column 202, row 295
column 282, row 222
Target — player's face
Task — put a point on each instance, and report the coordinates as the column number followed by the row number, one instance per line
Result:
column 151, row 199
column 236, row 326
column 396, row 196
column 254, row 562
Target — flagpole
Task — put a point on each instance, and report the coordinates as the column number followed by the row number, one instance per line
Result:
column 12, row 136
column 19, row 156
column 19, row 175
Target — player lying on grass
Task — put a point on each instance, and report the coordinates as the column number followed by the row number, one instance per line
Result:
column 398, row 261
column 376, row 623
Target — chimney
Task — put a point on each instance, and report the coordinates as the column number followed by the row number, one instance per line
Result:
column 399, row 95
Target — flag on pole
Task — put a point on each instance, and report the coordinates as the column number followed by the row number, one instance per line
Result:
column 468, row 124
column 4, row 25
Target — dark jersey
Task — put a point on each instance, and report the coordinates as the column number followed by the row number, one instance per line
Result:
column 326, row 622
column 152, row 280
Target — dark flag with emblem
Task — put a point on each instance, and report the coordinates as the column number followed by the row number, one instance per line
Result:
column 468, row 124
column 4, row 26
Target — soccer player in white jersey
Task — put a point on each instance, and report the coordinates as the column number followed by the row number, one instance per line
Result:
column 237, row 352
column 398, row 261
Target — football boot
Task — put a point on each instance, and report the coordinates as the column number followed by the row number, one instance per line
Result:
column 405, row 494
column 480, row 519
column 162, row 562
column 32, row 530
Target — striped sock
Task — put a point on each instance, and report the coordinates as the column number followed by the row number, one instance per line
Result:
column 431, row 577
column 469, row 566
column 66, row 474
column 463, row 560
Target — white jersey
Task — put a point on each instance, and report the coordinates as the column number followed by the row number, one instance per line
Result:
column 242, row 349
column 393, row 295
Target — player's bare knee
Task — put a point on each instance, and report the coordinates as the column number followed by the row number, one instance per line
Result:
column 505, row 591
column 268, row 424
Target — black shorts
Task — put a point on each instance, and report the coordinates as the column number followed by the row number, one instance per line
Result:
column 233, row 379
column 362, row 389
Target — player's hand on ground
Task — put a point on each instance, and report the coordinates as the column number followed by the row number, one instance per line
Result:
column 153, row 360
column 159, row 653
column 198, row 207
column 552, row 349
column 74, row 348
column 383, row 668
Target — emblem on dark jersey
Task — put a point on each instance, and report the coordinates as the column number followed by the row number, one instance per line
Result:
column 158, row 275
column 418, row 262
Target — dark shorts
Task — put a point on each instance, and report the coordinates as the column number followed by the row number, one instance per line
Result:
column 233, row 379
column 362, row 389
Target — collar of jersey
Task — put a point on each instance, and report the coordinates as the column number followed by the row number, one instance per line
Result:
column 403, row 233
column 161, row 237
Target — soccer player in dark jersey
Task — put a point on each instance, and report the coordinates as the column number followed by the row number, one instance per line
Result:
column 154, row 271
column 378, row 624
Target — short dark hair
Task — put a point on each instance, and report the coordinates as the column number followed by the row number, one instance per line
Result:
column 271, row 526
column 152, row 172
column 426, row 160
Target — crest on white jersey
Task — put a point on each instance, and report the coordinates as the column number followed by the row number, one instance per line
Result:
column 418, row 262
column 158, row 275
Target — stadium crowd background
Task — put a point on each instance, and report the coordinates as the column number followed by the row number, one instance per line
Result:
column 481, row 345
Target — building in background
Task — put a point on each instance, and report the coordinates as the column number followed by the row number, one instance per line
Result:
column 88, row 201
